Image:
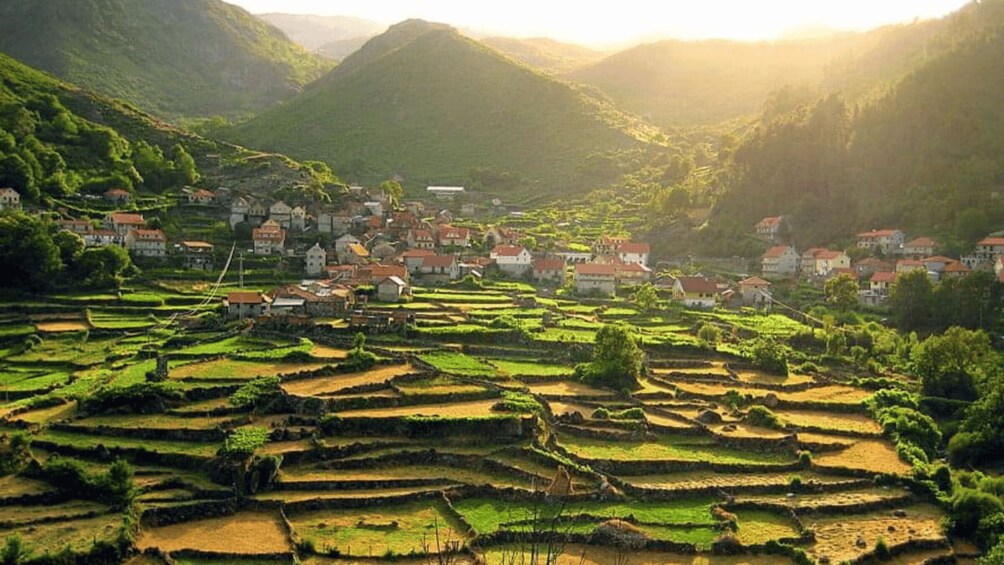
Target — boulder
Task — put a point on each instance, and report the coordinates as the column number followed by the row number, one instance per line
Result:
column 621, row 534
column 709, row 417
column 770, row 400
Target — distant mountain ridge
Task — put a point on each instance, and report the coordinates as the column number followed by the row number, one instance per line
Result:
column 427, row 103
column 176, row 58
column 314, row 32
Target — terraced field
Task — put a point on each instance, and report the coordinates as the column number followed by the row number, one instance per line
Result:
column 264, row 447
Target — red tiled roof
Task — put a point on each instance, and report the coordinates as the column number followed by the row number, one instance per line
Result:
column 507, row 250
column 939, row 259
column 921, row 242
column 268, row 234
column 117, row 192
column 877, row 233
column 632, row 267
column 827, row 254
column 776, row 251
column 245, row 297
column 203, row 193
column 698, row 284
column 910, row 263
column 883, row 277
column 123, row 218
column 383, row 271
column 998, row 241
column 421, row 235
column 453, row 233
column 196, row 244
column 956, row 267
column 549, row 265
column 417, row 253
column 595, row 269
column 769, row 222
column 149, row 235
column 633, row 247
column 754, row 281
column 437, row 261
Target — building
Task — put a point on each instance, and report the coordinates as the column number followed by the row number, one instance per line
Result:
column 121, row 223
column 355, row 254
column 118, row 196
column 955, row 270
column 632, row 273
column 595, row 278
column 880, row 283
column 298, row 218
column 779, row 262
column 320, row 299
column 608, row 245
column 421, row 239
column 79, row 227
column 240, row 211
column 246, row 304
column 10, row 199
column 445, row 192
column 146, row 243
column 391, row 289
column 769, row 229
column 268, row 239
column 201, row 197
column 282, row 213
column 101, row 238
column 316, row 260
column 513, row 260
column 985, row 253
column 919, row 247
column 821, row 262
column 869, row 265
column 633, row 252
column 755, row 291
column 373, row 274
column 342, row 243
column 696, row 292
column 197, row 255
column 450, row 236
column 442, row 267
column 886, row 241
column 413, row 259
column 910, row 265
column 551, row 271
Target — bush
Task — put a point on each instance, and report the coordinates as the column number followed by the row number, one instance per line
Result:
column 251, row 393
column 13, row 551
column 882, row 552
column 69, row 476
column 601, row 414
column 358, row 358
column 908, row 426
column 805, row 459
column 626, row 414
column 140, row 398
column 769, row 356
column 15, row 451
column 763, row 417
column 969, row 507
column 243, row 442
column 709, row 333
column 616, row 360
column 519, row 403
column 889, row 397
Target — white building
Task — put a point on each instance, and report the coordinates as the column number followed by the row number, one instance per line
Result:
column 317, row 259
column 780, row 262
column 146, row 243
column 9, row 199
column 445, row 192
column 695, row 292
column 512, row 260
column 633, row 252
column 298, row 218
column 886, row 241
column 595, row 277
column 281, row 213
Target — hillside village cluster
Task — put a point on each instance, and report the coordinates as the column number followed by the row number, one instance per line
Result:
column 385, row 248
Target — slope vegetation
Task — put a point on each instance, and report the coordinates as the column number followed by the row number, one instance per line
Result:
column 171, row 57
column 431, row 105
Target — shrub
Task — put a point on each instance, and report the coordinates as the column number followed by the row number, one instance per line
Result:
column 358, row 358
column 601, row 414
column 889, row 397
column 15, row 451
column 114, row 487
column 805, row 459
column 795, row 482
column 13, row 551
column 882, row 552
column 709, row 333
column 808, row 367
column 139, row 398
column 518, row 402
column 616, row 360
column 252, row 392
column 763, row 417
column 969, row 507
column 243, row 442
column 907, row 426
column 770, row 356
column 626, row 414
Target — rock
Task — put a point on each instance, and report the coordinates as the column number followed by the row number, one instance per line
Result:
column 899, row 513
column 621, row 534
column 709, row 417
column 891, row 528
column 729, row 428
column 860, row 542
column 824, row 560
column 770, row 400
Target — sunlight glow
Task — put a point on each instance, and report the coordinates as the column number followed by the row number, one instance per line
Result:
column 595, row 23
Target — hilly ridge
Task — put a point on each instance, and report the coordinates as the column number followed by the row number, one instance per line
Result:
column 427, row 103
column 175, row 58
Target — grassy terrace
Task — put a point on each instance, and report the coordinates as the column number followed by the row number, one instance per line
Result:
column 667, row 449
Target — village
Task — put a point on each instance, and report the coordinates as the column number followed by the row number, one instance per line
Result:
column 378, row 248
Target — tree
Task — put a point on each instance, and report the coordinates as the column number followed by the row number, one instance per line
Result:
column 646, row 298
column 617, row 359
column 184, row 164
column 29, row 258
column 911, row 300
column 392, row 189
column 950, row 365
column 70, row 245
column 842, row 292
column 528, row 241
column 770, row 356
column 103, row 267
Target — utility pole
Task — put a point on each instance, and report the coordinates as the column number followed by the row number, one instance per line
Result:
column 240, row 269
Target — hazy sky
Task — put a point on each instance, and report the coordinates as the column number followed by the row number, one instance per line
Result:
column 621, row 21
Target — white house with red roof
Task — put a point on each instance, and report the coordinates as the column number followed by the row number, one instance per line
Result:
column 197, row 254
column 441, row 267
column 955, row 270
column 268, row 239
column 608, row 245
column 549, row 271
column 885, row 240
column 910, row 265
column 121, row 222
column 821, row 262
column 413, row 258
column 450, row 236
column 10, row 199
column 780, row 261
column 421, row 239
column 246, row 304
column 696, row 292
column 755, row 291
column 595, row 277
column 513, row 260
column 919, row 247
column 985, row 253
column 769, row 228
column 146, row 243
column 881, row 281
column 633, row 252
column 201, row 197
column 118, row 195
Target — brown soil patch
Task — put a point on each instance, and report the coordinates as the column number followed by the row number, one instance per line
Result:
column 567, row 388
column 703, row 479
column 457, row 409
column 62, row 326
column 46, row 415
column 13, row 486
column 849, row 498
column 745, row 431
column 826, row 439
column 831, row 420
column 354, row 494
column 599, row 555
column 325, row 352
column 870, row 455
column 244, row 532
column 333, row 383
column 836, row 535
column 666, row 422
column 758, row 377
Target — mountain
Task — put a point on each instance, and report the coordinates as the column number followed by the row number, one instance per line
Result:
column 57, row 140
column 433, row 106
column 334, row 37
column 926, row 156
column 176, row 58
column 545, row 54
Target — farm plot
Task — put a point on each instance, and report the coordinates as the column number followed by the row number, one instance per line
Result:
column 867, row 496
column 567, row 388
column 600, row 555
column 693, row 480
column 668, row 449
column 874, row 456
column 454, row 363
column 331, row 384
column 379, row 531
column 439, row 385
column 835, row 535
column 241, row 533
column 444, row 474
column 79, row 535
column 858, row 423
column 519, row 368
column 470, row 409
column 232, row 369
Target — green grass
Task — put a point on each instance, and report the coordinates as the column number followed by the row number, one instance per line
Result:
column 71, row 439
column 516, row 368
column 668, row 449
column 458, row 364
column 566, row 335
column 16, row 330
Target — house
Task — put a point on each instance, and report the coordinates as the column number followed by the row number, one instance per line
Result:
column 415, row 207
column 450, row 236
column 341, row 273
column 769, row 229
column 937, row 263
column 10, row 199
column 909, row 265
column 632, row 273
column 246, row 304
column 240, row 211
column 383, row 251
column 445, row 192
column 121, row 223
column 257, row 212
column 146, row 243
column 391, row 289
column 573, row 257
column 513, row 260
column 881, row 282
column 338, row 223
column 342, row 244
column 595, row 278
column 79, row 227
column 869, row 265
column 201, row 197
column 886, row 241
column 118, row 196
column 608, row 245
column 413, row 259
column 919, row 247
column 779, row 262
column 821, row 262
column 502, row 236
column 633, row 252
column 440, row 267
column 355, row 254
column 287, row 306
column 549, row 271
column 955, row 270
column 317, row 259
column 268, row 239
column 197, row 255
column 985, row 253
column 755, row 291
column 101, row 238
column 444, row 217
column 281, row 213
column 298, row 218
column 375, row 208
column 696, row 292
column 421, row 239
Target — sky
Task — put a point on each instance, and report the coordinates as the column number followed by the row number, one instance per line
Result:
column 609, row 24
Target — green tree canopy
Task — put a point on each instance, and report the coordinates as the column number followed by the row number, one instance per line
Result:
column 617, row 359
column 842, row 292
column 950, row 365
column 29, row 258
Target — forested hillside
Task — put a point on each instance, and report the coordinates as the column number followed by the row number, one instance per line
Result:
column 928, row 156
column 431, row 105
column 176, row 58
column 545, row 54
